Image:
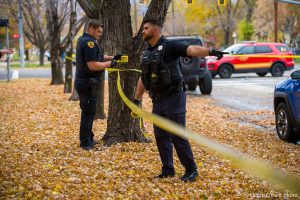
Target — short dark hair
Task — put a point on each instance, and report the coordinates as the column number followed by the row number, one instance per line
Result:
column 154, row 22
column 95, row 23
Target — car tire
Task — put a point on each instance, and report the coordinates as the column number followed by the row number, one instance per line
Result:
column 192, row 86
column 213, row 75
column 225, row 71
column 205, row 84
column 261, row 74
column 283, row 122
column 187, row 64
column 277, row 70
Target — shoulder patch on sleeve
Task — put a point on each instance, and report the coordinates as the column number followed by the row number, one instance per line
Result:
column 91, row 44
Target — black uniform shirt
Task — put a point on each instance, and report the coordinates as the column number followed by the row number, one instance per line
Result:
column 87, row 50
column 173, row 50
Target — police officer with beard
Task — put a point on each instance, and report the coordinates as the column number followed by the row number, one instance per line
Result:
column 90, row 64
column 161, row 76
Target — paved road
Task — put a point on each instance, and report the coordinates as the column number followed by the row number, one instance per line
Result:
column 246, row 91
column 43, row 72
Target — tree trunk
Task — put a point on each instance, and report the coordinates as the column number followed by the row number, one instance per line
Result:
column 227, row 37
column 121, row 127
column 42, row 54
column 56, row 71
column 100, row 101
column 72, row 31
column 54, row 40
column 68, row 74
column 27, row 57
column 250, row 9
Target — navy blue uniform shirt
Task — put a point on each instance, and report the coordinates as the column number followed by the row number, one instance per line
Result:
column 87, row 50
column 173, row 51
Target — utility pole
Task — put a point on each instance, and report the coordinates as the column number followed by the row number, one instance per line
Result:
column 275, row 21
column 21, row 35
column 173, row 18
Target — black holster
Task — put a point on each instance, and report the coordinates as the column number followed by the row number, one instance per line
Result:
column 173, row 88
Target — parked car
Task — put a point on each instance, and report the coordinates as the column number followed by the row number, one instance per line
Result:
column 194, row 69
column 231, row 63
column 287, row 108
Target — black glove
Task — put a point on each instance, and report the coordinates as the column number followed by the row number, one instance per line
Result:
column 113, row 63
column 118, row 57
column 137, row 102
column 219, row 54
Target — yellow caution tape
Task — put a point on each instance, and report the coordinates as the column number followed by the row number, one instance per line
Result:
column 254, row 166
column 124, row 59
column 68, row 58
column 263, row 56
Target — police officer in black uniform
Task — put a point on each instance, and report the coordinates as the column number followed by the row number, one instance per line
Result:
column 161, row 76
column 90, row 63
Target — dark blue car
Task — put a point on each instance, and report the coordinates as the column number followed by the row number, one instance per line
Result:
column 287, row 108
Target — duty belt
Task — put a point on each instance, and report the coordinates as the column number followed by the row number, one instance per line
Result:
column 159, row 96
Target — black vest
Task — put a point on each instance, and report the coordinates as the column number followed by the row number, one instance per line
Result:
column 82, row 70
column 160, row 78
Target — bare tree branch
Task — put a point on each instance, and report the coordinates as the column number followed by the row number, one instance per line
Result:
column 157, row 9
column 91, row 10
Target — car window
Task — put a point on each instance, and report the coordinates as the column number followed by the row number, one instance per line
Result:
column 282, row 48
column 263, row 49
column 246, row 50
column 233, row 49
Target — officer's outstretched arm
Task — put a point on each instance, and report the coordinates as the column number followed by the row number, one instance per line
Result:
column 140, row 90
column 197, row 51
column 97, row 66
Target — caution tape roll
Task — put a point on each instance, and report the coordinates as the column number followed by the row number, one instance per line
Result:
column 254, row 166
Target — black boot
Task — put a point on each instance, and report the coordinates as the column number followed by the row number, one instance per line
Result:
column 166, row 175
column 189, row 176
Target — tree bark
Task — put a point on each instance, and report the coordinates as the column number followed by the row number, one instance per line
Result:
column 42, row 54
column 250, row 9
column 71, row 36
column 68, row 74
column 227, row 19
column 54, row 39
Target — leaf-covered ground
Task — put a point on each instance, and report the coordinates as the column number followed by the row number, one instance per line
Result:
column 40, row 156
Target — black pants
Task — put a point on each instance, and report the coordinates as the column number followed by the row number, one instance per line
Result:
column 88, row 102
column 173, row 108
